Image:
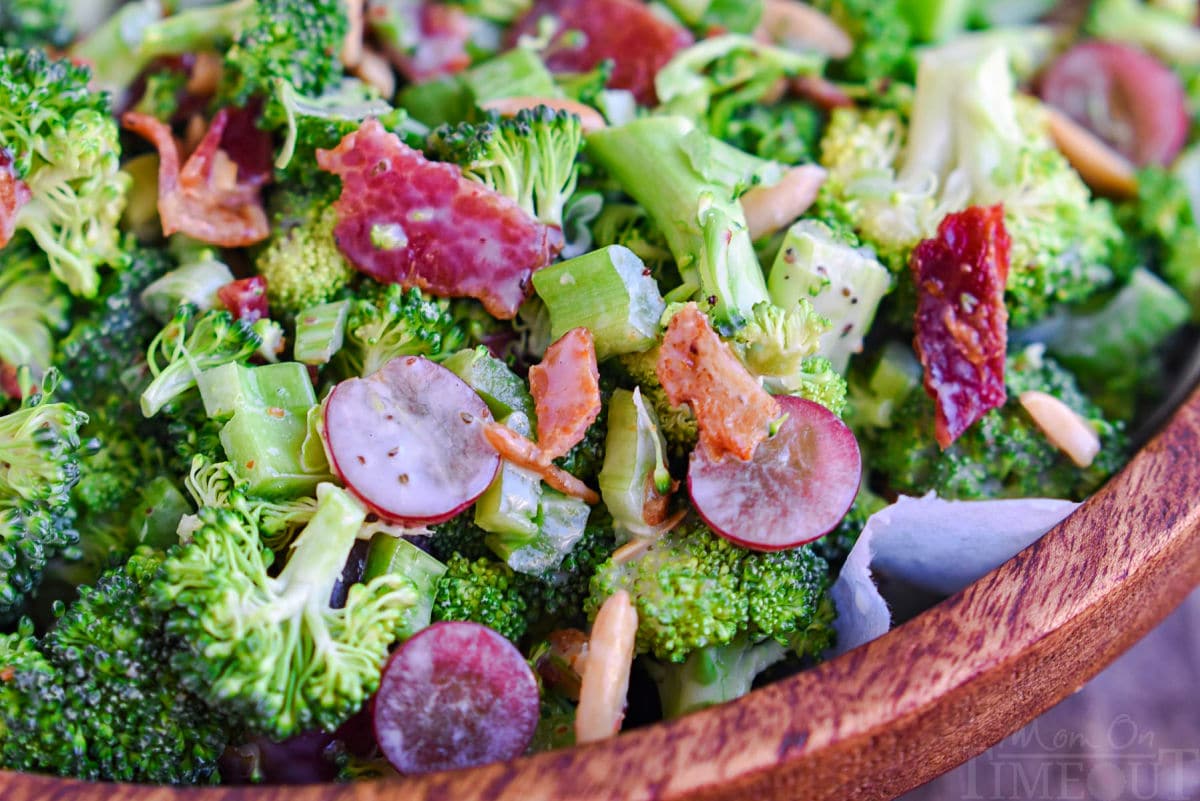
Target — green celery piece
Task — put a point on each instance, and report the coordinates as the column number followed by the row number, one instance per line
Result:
column 517, row 73
column 155, row 519
column 634, row 451
column 264, row 446
column 609, row 292
column 561, row 522
column 508, row 508
column 395, row 555
column 936, row 20
column 500, row 388
column 229, row 388
column 896, row 375
column 703, row 224
column 437, row 102
column 320, row 332
column 841, row 282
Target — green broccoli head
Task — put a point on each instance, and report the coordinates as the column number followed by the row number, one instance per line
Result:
column 302, row 263
column 64, row 145
column 694, row 589
column 33, row 309
column 98, row 698
column 388, row 321
column 483, row 591
column 1004, row 455
column 35, row 23
column 270, row 650
column 529, row 157
column 882, row 38
column 787, row 132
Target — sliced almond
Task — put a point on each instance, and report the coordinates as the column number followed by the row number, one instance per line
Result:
column 772, row 208
column 799, row 26
column 205, row 74
column 509, row 106
column 1105, row 170
column 605, row 682
column 372, row 68
column 352, row 47
column 1063, row 426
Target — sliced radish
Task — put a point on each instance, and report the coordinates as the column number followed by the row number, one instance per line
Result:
column 1125, row 96
column 796, row 487
column 454, row 696
column 408, row 441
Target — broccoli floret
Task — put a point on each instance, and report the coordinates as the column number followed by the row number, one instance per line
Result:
column 459, row 536
column 483, row 591
column 713, row 674
column 40, row 449
column 835, row 546
column 693, row 589
column 213, row 484
column 882, row 40
column 529, row 158
column 98, row 697
column 270, row 650
column 302, row 263
column 164, row 91
column 788, row 132
column 64, row 145
column 35, row 23
column 970, row 142
column 190, row 344
column 272, row 40
column 390, row 321
column 557, row 596
column 677, row 423
column 33, row 310
column 1004, row 455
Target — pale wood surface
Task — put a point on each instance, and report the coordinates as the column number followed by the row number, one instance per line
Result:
column 888, row 716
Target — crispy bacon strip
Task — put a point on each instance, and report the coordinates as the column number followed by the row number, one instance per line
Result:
column 524, row 452
column 13, row 195
column 210, row 198
column 695, row 367
column 566, row 392
column 961, row 320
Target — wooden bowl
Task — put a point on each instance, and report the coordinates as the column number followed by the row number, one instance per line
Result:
column 885, row 717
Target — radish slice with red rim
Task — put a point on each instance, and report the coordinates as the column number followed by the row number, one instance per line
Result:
column 1127, row 97
column 454, row 696
column 408, row 441
column 796, row 487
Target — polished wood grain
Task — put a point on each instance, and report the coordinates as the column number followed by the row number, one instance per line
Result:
column 885, row 717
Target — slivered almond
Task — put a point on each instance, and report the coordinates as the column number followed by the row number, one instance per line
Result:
column 772, row 208
column 1105, row 170
column 800, row 26
column 1063, row 426
column 509, row 106
column 205, row 74
column 374, row 69
column 352, row 47
column 605, row 682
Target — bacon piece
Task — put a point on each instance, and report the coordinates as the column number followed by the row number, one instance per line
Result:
column 638, row 41
column 14, row 194
column 566, row 391
column 245, row 298
column 524, row 452
column 961, row 321
column 406, row 220
column 209, row 198
column 733, row 411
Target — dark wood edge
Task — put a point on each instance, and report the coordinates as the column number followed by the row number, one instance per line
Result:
column 885, row 717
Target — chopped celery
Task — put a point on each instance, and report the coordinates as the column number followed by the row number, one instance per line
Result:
column 517, row 73
column 501, row 389
column 633, row 456
column 264, row 446
column 842, row 282
column 896, row 375
column 155, row 518
column 228, row 389
column 390, row 555
column 561, row 522
column 936, row 20
column 609, row 292
column 320, row 332
column 508, row 508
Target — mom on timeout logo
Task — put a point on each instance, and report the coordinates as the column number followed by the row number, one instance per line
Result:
column 1117, row 762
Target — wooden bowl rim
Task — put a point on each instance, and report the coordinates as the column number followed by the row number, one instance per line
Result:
column 1025, row 634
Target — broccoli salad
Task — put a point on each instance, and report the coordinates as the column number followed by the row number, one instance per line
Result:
column 395, row 386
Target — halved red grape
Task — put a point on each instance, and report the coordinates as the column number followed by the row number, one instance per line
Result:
column 454, row 696
column 796, row 487
column 408, row 441
column 1125, row 96
column 245, row 298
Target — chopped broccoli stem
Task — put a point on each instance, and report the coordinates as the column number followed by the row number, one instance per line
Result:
column 389, row 554
column 561, row 522
column 634, row 461
column 608, row 292
column 501, row 389
column 713, row 675
column 195, row 283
